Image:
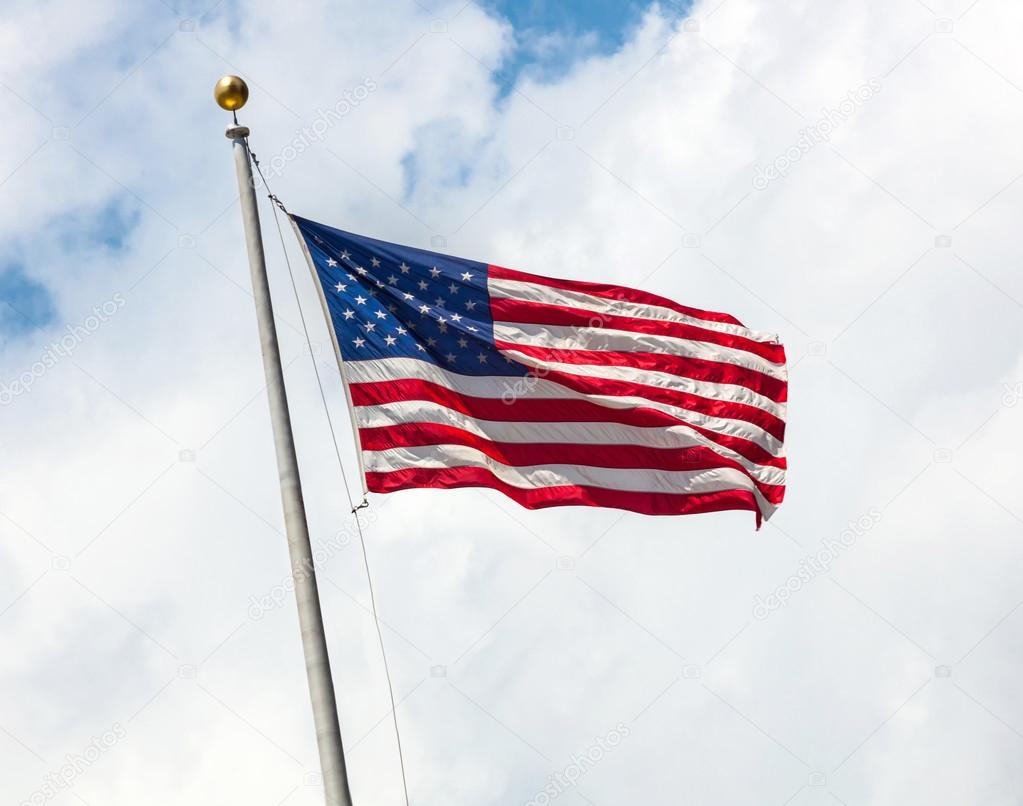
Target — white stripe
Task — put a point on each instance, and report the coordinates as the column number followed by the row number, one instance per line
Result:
column 665, row 380
column 494, row 386
column 510, row 389
column 538, row 292
column 586, row 433
column 558, row 337
column 540, row 476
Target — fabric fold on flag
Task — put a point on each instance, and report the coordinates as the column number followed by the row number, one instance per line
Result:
column 553, row 392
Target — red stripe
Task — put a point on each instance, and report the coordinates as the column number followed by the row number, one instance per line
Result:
column 539, row 313
column 611, row 292
column 552, row 410
column 521, row 454
column 696, row 368
column 683, row 400
column 645, row 503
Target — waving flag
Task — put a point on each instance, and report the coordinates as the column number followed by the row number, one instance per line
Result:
column 554, row 392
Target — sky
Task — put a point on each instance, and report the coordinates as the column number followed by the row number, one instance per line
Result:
column 845, row 174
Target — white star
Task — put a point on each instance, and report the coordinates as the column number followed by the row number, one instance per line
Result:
column 361, row 300
column 392, row 307
column 424, row 309
column 408, row 296
column 463, row 343
column 440, row 302
column 435, row 272
column 401, row 331
column 442, row 326
column 471, row 329
column 422, row 285
column 331, row 262
column 375, row 262
column 404, row 268
column 453, row 288
column 351, row 277
column 344, row 254
column 432, row 342
column 349, row 313
column 392, row 280
column 470, row 305
column 390, row 340
column 358, row 342
column 482, row 357
column 466, row 276
column 379, row 284
column 370, row 326
column 450, row 357
column 456, row 317
column 341, row 287
column 420, row 347
column 381, row 315
column 361, row 270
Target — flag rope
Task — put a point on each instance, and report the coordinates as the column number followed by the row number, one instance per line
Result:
column 278, row 204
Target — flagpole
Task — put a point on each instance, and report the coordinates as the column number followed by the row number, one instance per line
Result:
column 231, row 93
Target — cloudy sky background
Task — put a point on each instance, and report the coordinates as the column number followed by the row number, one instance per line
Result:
column 139, row 513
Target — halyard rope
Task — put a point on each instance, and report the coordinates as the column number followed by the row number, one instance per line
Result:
column 278, row 204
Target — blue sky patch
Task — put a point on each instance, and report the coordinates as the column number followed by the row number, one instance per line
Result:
column 106, row 228
column 552, row 36
column 26, row 304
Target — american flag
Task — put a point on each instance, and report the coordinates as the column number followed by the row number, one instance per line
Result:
column 553, row 392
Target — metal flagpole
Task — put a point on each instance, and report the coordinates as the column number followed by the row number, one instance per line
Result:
column 231, row 94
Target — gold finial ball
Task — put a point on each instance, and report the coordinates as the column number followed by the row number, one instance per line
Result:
column 231, row 93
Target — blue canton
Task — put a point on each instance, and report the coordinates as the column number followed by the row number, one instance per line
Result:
column 390, row 301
